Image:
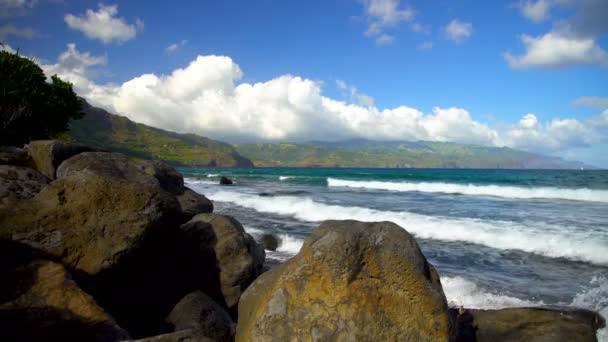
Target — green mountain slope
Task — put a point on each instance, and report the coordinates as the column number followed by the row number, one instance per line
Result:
column 117, row 133
column 421, row 154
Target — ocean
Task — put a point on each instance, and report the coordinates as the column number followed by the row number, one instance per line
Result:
column 498, row 238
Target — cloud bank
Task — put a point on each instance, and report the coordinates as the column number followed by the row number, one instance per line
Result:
column 206, row 98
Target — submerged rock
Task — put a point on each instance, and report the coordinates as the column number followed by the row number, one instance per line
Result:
column 49, row 154
column 222, row 241
column 351, row 281
column 527, row 324
column 196, row 311
column 270, row 242
column 19, row 183
column 225, row 181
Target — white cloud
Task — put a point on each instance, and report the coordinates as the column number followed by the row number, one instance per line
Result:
column 386, row 14
column 592, row 101
column 553, row 50
column 426, row 45
column 175, row 46
column 104, row 24
column 6, row 47
column 458, row 31
column 536, row 11
column 206, row 98
column 15, row 7
column 11, row 30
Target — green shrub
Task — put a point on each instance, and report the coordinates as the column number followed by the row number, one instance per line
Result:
column 31, row 108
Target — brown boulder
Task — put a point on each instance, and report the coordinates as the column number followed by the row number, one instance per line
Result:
column 167, row 176
column 40, row 302
column 351, row 281
column 197, row 311
column 193, row 203
column 222, row 241
column 47, row 155
column 528, row 324
column 18, row 183
column 188, row 335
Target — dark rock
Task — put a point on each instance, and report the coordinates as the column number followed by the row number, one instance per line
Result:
column 19, row 183
column 527, row 324
column 49, row 154
column 15, row 156
column 270, row 242
column 197, row 311
column 222, row 241
column 178, row 336
column 167, row 176
column 41, row 302
column 193, row 203
column 225, row 181
column 351, row 281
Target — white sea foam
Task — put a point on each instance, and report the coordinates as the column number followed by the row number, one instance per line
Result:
column 551, row 241
column 462, row 292
column 282, row 178
column 211, row 175
column 195, row 181
column 595, row 298
column 290, row 244
column 582, row 194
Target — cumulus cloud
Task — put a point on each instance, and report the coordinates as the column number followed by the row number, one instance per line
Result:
column 175, row 46
column 592, row 101
column 383, row 15
column 553, row 50
column 206, row 97
column 104, row 24
column 458, row 31
column 536, row 11
column 572, row 41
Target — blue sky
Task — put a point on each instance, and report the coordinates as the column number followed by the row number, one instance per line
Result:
column 530, row 74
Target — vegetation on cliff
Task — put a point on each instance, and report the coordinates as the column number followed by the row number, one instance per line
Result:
column 421, row 154
column 31, row 108
column 116, row 133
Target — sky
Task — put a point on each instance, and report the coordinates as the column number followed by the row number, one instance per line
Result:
column 527, row 74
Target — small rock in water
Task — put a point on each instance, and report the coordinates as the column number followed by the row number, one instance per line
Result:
column 270, row 242
column 225, row 181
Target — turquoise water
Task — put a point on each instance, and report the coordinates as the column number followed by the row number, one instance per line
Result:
column 498, row 238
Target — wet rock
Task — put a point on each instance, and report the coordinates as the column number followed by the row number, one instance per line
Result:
column 270, row 242
column 225, row 181
column 197, row 311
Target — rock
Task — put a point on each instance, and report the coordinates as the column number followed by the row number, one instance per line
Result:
column 18, row 183
column 49, row 154
column 167, row 176
column 225, row 181
column 193, row 203
column 351, row 281
column 197, row 311
column 117, row 231
column 40, row 302
column 10, row 155
column 270, row 242
column 528, row 324
column 178, row 336
column 221, row 240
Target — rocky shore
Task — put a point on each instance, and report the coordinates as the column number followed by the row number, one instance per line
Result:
column 95, row 246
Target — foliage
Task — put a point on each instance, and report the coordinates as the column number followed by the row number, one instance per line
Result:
column 31, row 108
column 117, row 133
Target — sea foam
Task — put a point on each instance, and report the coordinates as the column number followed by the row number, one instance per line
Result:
column 478, row 190
column 546, row 240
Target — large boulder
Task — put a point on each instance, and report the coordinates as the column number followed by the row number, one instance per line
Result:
column 189, row 335
column 193, row 203
column 100, row 209
column 39, row 301
column 527, row 324
column 19, row 183
column 47, row 155
column 10, row 155
column 197, row 311
column 167, row 176
column 225, row 181
column 351, row 281
column 222, row 241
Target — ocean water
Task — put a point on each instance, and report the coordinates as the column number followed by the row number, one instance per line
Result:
column 499, row 238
